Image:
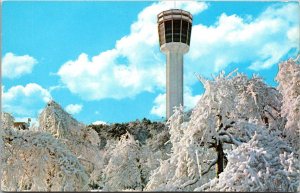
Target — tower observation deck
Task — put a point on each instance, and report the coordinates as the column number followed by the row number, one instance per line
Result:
column 174, row 30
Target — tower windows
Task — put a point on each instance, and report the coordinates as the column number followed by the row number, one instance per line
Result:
column 184, row 31
column 174, row 26
column 168, row 31
column 176, row 30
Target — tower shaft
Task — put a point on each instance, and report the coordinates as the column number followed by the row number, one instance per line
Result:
column 174, row 32
column 174, row 81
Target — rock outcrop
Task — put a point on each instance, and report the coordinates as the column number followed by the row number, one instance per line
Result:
column 57, row 121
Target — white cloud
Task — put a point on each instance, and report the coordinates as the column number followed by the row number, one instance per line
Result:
column 159, row 107
column 194, row 7
column 14, row 66
column 99, row 123
column 260, row 42
column 73, row 108
column 293, row 34
column 56, row 87
column 190, row 101
column 108, row 76
column 25, row 101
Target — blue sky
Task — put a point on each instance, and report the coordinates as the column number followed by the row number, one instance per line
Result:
column 101, row 60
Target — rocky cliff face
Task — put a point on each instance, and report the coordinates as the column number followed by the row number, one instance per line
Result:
column 57, row 121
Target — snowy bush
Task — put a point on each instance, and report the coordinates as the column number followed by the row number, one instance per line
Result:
column 36, row 161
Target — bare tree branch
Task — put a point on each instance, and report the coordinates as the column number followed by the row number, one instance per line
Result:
column 210, row 165
column 190, row 182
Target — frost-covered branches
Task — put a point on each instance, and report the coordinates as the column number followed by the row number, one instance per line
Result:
column 7, row 121
column 180, row 171
column 225, row 117
column 37, row 161
column 289, row 86
column 229, row 104
column 265, row 163
column 124, row 169
column 81, row 141
column 228, row 100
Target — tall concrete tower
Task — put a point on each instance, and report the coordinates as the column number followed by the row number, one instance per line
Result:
column 174, row 30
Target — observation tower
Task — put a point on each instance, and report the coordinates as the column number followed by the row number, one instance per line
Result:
column 174, row 30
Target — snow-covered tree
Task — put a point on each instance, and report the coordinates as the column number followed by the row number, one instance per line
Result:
column 289, row 86
column 37, row 161
column 223, row 118
column 164, row 177
column 156, row 148
column 266, row 163
column 124, row 169
column 152, row 137
column 82, row 141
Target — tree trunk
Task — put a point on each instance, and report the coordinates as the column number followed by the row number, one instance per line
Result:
column 220, row 159
column 219, row 149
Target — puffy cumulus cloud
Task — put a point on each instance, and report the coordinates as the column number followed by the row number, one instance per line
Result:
column 159, row 107
column 25, row 101
column 73, row 108
column 261, row 42
column 14, row 66
column 135, row 64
